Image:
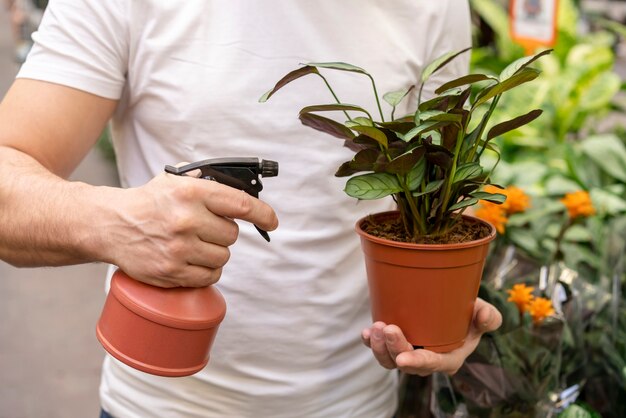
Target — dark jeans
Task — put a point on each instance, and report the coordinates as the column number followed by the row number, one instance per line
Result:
column 105, row 414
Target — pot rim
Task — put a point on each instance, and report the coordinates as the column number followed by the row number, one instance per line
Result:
column 433, row 247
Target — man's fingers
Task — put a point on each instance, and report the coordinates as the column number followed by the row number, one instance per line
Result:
column 486, row 317
column 232, row 203
column 396, row 341
column 425, row 362
column 379, row 346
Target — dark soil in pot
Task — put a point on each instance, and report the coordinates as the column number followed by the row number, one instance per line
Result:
column 392, row 229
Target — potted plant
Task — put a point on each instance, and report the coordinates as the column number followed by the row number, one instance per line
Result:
column 425, row 260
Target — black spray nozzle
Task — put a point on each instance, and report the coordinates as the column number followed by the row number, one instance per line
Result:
column 240, row 173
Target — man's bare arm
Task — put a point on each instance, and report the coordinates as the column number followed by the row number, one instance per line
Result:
column 45, row 130
column 172, row 231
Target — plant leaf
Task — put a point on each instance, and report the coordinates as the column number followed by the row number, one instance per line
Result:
column 404, row 163
column 516, row 66
column 440, row 62
column 608, row 152
column 341, row 66
column 431, row 187
column 395, row 97
column 462, row 81
column 360, row 120
column 332, row 107
column 396, row 126
column 439, row 155
column 607, row 202
column 416, row 175
column 374, row 133
column 524, row 76
column 467, row 171
column 514, row 123
column 372, row 186
column 326, row 125
column 293, row 75
column 345, row 170
column 437, row 100
column 497, row 198
column 365, row 141
column 463, row 203
column 365, row 159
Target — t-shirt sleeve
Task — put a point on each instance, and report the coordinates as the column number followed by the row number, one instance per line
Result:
column 81, row 44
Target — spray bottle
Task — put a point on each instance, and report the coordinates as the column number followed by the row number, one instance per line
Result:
column 169, row 332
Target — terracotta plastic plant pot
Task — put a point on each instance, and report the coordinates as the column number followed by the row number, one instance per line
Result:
column 426, row 290
column 166, row 332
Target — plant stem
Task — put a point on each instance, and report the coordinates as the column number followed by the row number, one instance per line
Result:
column 450, row 176
column 334, row 95
column 483, row 125
column 558, row 253
column 380, row 110
column 421, row 227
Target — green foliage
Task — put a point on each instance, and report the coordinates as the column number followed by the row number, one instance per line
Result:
column 430, row 160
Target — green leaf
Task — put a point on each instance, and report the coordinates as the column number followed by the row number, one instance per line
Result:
column 497, row 198
column 437, row 100
column 575, row 411
column 578, row 233
column 372, row 186
column 431, row 187
column 332, row 107
column 341, row 66
column 427, row 126
column 374, row 133
column 524, row 76
column 514, row 123
column 440, row 62
column 360, row 120
column 463, row 204
column 518, row 65
column 395, row 97
column 326, row 125
column 599, row 93
column 467, row 171
column 608, row 152
column 525, row 240
column 416, row 175
column 606, row 202
column 293, row 75
column 462, row 81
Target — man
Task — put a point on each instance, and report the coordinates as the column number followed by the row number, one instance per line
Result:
column 180, row 81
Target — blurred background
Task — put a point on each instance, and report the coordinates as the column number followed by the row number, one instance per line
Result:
column 571, row 365
column 49, row 356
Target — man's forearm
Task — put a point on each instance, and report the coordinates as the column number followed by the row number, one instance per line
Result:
column 44, row 219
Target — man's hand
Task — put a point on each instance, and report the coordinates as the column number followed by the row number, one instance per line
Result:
column 176, row 230
column 392, row 350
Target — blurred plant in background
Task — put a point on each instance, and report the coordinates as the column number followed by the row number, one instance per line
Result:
column 562, row 234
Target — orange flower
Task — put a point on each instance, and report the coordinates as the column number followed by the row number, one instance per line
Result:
column 578, row 204
column 493, row 214
column 521, row 295
column 540, row 309
column 516, row 200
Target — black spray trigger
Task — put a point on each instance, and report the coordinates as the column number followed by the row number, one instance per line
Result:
column 239, row 173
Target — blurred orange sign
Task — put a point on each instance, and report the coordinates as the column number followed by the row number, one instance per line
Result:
column 533, row 23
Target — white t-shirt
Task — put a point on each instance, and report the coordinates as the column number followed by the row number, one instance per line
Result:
column 188, row 76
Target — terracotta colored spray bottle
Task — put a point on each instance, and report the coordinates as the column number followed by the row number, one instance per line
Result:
column 169, row 332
